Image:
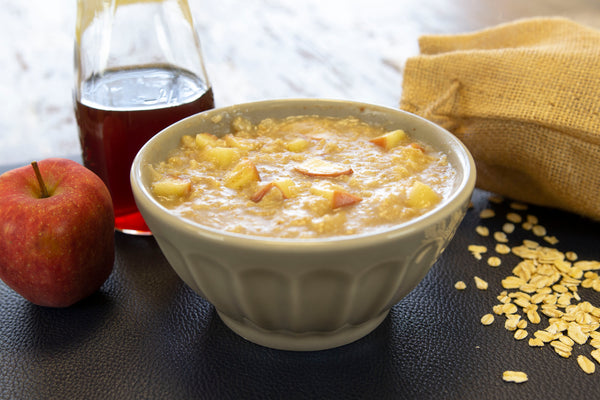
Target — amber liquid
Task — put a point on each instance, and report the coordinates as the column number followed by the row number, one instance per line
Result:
column 119, row 111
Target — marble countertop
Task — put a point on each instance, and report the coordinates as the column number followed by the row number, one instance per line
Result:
column 261, row 50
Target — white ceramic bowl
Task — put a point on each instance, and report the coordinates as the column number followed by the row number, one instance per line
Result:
column 304, row 294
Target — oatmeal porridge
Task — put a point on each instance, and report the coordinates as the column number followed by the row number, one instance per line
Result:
column 302, row 177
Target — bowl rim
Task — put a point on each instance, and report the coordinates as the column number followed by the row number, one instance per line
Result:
column 459, row 196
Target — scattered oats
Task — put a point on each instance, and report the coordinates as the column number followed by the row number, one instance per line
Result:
column 511, row 324
column 520, row 334
column 553, row 329
column 595, row 335
column 496, row 199
column 530, row 244
column 487, row 319
column 509, row 308
column 586, row 364
column 596, row 355
column 587, row 283
column 480, row 283
column 536, row 342
column 518, row 206
column 494, row 261
column 563, row 354
column 539, row 230
column 498, row 309
column 522, row 301
column 560, row 288
column 500, row 237
column 514, row 376
column 549, row 300
column 508, row 228
column 512, row 282
column 460, row 285
column 566, row 340
column 574, row 331
column 514, row 217
column 545, row 281
column 560, row 346
column 587, row 265
column 501, row 248
column 503, row 298
column 477, row 250
column 482, row 230
column 538, row 298
column 544, row 336
column 564, row 299
column 552, row 313
column 487, row 213
column 571, row 255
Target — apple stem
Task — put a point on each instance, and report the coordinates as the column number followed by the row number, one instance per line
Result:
column 38, row 175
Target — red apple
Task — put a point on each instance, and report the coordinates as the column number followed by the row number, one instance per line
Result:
column 57, row 249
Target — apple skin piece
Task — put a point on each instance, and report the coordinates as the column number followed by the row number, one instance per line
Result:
column 244, row 173
column 59, row 249
column 341, row 198
column 260, row 193
column 337, row 197
column 322, row 168
column 284, row 186
column 390, row 139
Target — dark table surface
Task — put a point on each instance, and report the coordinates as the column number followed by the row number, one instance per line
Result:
column 145, row 335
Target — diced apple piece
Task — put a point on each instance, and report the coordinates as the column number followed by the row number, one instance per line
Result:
column 285, row 185
column 390, row 139
column 341, row 198
column 337, row 197
column 232, row 141
column 206, row 139
column 222, row 157
column 243, row 174
column 171, row 187
column 261, row 192
column 417, row 146
column 323, row 168
column 297, row 145
column 421, row 195
column 188, row 141
column 319, row 191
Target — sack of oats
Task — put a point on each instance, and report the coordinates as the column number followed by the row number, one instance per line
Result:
column 524, row 97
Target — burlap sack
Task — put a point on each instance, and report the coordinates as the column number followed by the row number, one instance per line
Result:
column 524, row 97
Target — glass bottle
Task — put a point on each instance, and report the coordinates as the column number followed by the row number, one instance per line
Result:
column 138, row 69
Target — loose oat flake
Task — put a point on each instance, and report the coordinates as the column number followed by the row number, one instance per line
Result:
column 460, row 285
column 480, row 283
column 487, row 319
column 494, row 261
column 482, row 230
column 586, row 364
column 514, row 376
column 487, row 213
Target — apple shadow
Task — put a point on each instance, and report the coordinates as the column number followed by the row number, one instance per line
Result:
column 67, row 329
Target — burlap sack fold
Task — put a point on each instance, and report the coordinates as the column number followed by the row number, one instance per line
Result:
column 524, row 97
